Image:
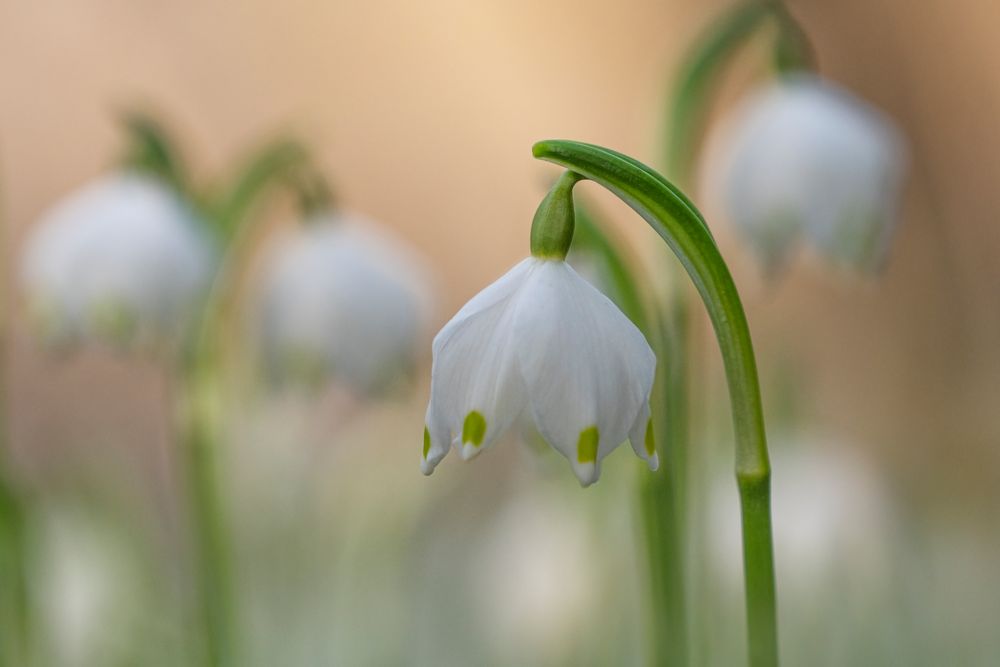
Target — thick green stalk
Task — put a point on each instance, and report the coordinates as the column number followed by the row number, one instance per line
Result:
column 681, row 226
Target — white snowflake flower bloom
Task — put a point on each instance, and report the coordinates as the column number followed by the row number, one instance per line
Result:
column 805, row 159
column 122, row 259
column 542, row 340
column 89, row 588
column 343, row 299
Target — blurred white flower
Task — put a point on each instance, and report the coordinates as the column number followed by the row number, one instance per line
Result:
column 88, row 584
column 122, row 259
column 342, row 298
column 527, row 576
column 803, row 158
column 832, row 522
column 541, row 338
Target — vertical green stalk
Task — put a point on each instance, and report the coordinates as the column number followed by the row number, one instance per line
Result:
column 151, row 150
column 676, row 220
column 15, row 617
column 200, row 441
column 282, row 162
column 664, row 492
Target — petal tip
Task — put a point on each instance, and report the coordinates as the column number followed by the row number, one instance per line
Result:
column 654, row 462
column 587, row 473
column 469, row 451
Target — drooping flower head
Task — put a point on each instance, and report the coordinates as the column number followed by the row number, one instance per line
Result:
column 122, row 259
column 342, row 299
column 803, row 159
column 542, row 340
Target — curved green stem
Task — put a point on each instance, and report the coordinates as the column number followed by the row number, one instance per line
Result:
column 793, row 51
column 698, row 76
column 151, row 150
column 283, row 161
column 702, row 68
column 682, row 227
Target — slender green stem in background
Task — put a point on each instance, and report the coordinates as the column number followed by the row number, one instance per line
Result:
column 661, row 509
column 15, row 616
column 15, row 629
column 150, row 149
column 590, row 235
column 698, row 76
column 793, row 51
column 226, row 213
column 200, row 419
column 682, row 227
column 702, row 68
column 283, row 161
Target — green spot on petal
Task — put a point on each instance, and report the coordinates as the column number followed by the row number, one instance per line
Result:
column 650, row 440
column 427, row 442
column 586, row 448
column 474, row 428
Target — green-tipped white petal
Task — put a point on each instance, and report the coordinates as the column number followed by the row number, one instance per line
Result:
column 641, row 437
column 543, row 337
column 476, row 389
column 587, row 369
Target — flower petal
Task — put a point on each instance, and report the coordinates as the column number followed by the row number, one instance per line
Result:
column 641, row 437
column 476, row 390
column 587, row 369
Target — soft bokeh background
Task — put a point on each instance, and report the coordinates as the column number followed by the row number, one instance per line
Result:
column 424, row 114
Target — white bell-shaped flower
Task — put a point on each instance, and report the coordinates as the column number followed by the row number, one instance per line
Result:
column 121, row 259
column 805, row 159
column 541, row 339
column 342, row 298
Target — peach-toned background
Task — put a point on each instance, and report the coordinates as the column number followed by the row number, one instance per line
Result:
column 424, row 114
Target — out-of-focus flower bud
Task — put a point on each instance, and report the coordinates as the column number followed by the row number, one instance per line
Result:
column 123, row 260
column 805, row 159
